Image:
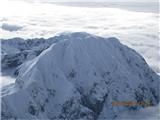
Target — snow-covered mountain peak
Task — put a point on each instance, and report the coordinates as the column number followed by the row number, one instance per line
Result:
column 77, row 50
column 79, row 78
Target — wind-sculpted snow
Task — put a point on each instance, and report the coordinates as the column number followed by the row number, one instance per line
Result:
column 79, row 78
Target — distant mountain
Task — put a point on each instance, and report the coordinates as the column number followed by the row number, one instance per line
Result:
column 16, row 51
column 78, row 78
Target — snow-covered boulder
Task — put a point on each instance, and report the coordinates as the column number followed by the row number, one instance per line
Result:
column 79, row 78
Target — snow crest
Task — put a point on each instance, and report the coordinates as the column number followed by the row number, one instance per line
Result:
column 79, row 78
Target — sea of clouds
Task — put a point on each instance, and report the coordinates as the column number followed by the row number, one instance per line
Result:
column 138, row 30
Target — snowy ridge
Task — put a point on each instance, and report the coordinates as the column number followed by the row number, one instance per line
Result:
column 79, row 78
column 17, row 50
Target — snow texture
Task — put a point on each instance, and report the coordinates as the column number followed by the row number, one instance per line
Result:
column 79, row 77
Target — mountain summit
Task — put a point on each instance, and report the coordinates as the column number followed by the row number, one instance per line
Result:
column 79, row 78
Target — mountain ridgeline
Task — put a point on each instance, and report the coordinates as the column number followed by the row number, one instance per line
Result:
column 75, row 76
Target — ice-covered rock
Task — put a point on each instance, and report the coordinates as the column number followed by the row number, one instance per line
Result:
column 16, row 51
column 79, row 78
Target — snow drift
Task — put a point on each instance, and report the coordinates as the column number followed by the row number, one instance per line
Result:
column 79, row 78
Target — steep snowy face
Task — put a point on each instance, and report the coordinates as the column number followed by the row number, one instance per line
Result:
column 16, row 51
column 79, row 78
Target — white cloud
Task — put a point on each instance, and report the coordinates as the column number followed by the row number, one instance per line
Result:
column 138, row 30
column 6, row 80
column 10, row 27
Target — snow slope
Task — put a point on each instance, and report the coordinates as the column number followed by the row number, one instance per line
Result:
column 16, row 51
column 79, row 78
column 150, row 113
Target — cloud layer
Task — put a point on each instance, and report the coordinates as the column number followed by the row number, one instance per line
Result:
column 138, row 30
column 11, row 28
